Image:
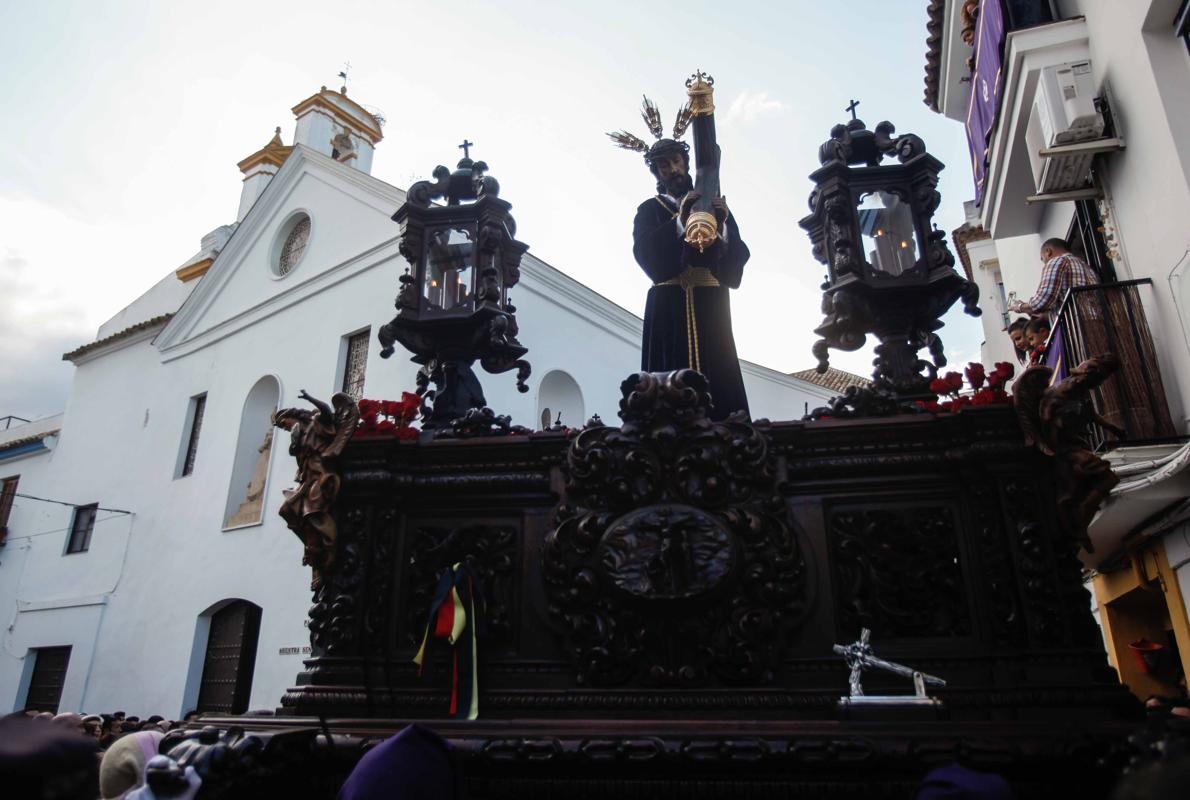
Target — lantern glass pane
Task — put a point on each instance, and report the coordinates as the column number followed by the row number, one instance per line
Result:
column 450, row 266
column 886, row 227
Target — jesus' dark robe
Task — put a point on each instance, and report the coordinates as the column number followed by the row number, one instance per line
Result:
column 698, row 334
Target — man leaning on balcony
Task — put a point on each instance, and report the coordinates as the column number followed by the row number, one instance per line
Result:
column 1063, row 270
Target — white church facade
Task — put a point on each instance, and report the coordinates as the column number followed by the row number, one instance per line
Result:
column 145, row 567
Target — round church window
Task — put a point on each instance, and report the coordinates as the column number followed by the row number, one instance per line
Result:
column 294, row 245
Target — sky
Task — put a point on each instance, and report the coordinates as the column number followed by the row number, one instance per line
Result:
column 125, row 121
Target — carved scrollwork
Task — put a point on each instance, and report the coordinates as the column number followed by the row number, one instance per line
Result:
column 897, row 571
column 672, row 562
column 491, row 553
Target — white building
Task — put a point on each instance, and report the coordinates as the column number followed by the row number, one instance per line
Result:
column 1090, row 109
column 141, row 524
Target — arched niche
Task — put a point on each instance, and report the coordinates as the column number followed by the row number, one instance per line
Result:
column 250, row 469
column 560, row 394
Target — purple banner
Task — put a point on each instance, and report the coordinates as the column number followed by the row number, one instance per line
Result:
column 984, row 99
column 1054, row 356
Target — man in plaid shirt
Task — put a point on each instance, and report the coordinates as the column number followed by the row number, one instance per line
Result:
column 1062, row 270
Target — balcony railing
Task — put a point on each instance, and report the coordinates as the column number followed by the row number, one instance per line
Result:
column 1109, row 318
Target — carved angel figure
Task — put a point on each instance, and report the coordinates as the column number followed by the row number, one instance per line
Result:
column 317, row 437
column 1054, row 419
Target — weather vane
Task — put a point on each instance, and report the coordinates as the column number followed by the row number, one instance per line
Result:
column 343, row 74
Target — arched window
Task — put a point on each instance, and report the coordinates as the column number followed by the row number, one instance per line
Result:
column 560, row 395
column 250, row 469
column 228, row 656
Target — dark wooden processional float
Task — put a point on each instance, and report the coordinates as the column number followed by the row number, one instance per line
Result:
column 653, row 604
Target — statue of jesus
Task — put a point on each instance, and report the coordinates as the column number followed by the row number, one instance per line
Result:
column 688, row 311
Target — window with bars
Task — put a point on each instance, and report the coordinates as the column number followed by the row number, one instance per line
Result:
column 81, row 527
column 294, row 246
column 49, row 676
column 198, row 405
column 355, row 363
column 8, row 491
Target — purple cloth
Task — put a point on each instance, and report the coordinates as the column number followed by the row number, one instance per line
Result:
column 1055, row 357
column 983, row 101
column 416, row 763
column 959, row 783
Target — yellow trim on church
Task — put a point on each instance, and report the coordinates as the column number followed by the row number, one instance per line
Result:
column 196, row 270
column 363, row 120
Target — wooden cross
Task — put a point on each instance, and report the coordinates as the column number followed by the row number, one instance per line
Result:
column 466, row 148
column 851, row 108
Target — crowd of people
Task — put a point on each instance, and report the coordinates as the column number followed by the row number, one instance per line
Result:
column 111, row 752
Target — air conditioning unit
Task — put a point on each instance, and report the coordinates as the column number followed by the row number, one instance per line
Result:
column 1063, row 113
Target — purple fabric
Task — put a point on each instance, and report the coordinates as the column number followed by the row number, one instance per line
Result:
column 959, row 783
column 415, row 763
column 1054, row 356
column 983, row 100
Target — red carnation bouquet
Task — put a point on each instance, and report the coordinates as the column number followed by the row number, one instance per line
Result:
column 389, row 417
column 986, row 389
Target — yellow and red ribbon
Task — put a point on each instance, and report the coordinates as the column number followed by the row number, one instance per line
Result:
column 453, row 618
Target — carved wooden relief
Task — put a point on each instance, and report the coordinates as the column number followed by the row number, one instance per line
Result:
column 672, row 562
column 897, row 571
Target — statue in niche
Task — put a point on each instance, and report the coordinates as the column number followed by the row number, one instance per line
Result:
column 342, row 147
column 249, row 510
column 317, row 438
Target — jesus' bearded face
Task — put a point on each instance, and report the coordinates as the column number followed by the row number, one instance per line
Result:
column 673, row 174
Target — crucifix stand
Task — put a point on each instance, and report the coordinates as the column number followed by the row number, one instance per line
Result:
column 859, row 656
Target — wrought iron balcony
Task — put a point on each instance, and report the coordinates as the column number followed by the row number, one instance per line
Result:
column 1109, row 317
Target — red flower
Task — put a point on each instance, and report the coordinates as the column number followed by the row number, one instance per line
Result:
column 929, row 405
column 1001, row 374
column 975, row 375
column 369, row 408
column 409, row 407
column 407, row 434
column 939, row 386
column 954, row 380
column 984, row 397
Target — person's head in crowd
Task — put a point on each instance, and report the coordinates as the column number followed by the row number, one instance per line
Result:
column 190, row 715
column 49, row 762
column 956, row 782
column 1037, row 332
column 1016, row 332
column 1052, row 248
column 69, row 719
column 93, row 726
column 118, row 714
column 123, row 765
column 415, row 763
column 131, row 723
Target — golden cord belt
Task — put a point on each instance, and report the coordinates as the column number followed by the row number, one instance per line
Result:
column 689, row 280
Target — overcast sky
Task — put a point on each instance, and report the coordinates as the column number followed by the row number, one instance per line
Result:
column 125, row 120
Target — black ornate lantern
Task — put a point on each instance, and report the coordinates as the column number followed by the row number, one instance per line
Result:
column 889, row 273
column 453, row 307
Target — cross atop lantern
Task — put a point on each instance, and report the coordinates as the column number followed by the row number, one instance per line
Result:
column 453, row 306
column 888, row 272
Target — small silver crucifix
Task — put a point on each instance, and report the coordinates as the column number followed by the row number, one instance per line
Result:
column 858, row 655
